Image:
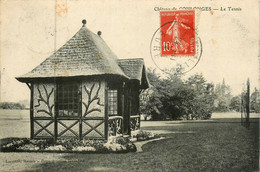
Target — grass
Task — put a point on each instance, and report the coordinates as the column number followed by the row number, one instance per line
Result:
column 218, row 145
column 214, row 145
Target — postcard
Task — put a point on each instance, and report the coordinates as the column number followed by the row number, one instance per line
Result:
column 168, row 85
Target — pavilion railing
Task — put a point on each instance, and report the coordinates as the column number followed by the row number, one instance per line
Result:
column 135, row 122
column 115, row 125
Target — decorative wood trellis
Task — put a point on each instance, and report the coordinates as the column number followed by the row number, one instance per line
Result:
column 68, row 128
column 46, row 123
column 90, row 121
column 93, row 125
column 42, row 118
column 43, row 128
column 245, row 106
column 115, row 125
column 135, row 122
column 93, row 128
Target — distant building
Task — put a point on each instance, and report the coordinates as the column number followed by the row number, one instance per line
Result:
column 84, row 91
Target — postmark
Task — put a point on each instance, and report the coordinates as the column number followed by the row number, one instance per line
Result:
column 175, row 45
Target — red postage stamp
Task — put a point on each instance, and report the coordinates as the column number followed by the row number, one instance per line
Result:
column 178, row 33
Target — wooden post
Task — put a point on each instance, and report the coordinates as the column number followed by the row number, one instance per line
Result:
column 31, row 112
column 129, row 115
column 123, row 111
column 106, row 110
column 55, row 112
column 248, row 104
column 122, row 103
column 80, row 111
column 138, row 106
column 241, row 108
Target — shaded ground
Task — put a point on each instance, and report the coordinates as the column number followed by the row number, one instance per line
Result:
column 213, row 145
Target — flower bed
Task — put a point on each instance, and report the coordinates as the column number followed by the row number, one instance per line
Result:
column 141, row 135
column 114, row 144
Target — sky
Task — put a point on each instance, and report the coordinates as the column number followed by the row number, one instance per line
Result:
column 31, row 30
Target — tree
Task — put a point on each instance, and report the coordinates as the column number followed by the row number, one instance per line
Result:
column 150, row 98
column 11, row 105
column 223, row 97
column 174, row 98
column 255, row 101
column 202, row 105
column 235, row 103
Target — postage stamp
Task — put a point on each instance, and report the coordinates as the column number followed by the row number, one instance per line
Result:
column 178, row 33
column 175, row 45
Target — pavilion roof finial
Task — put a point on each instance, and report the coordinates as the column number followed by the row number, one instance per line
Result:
column 99, row 33
column 84, row 22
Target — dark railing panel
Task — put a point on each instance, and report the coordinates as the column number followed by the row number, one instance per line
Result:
column 135, row 122
column 115, row 125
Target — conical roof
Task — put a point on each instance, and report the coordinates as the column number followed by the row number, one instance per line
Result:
column 85, row 54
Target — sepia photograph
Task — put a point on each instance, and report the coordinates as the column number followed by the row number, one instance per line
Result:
column 161, row 85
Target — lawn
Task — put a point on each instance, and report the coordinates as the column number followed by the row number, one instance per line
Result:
column 219, row 144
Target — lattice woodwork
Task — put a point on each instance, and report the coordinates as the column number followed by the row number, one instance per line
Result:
column 68, row 128
column 44, row 128
column 93, row 128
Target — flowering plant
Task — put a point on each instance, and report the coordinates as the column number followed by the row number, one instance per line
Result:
column 114, row 144
column 141, row 135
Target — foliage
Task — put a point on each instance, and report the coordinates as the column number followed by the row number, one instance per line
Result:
column 223, row 97
column 255, row 101
column 176, row 98
column 201, row 107
column 14, row 144
column 235, row 103
column 116, row 143
column 11, row 105
column 150, row 98
column 141, row 135
column 119, row 144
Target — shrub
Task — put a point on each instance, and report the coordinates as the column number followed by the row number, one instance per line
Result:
column 70, row 145
column 14, row 144
column 144, row 135
column 126, row 143
column 175, row 98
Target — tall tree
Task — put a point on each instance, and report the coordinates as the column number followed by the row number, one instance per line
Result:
column 150, row 98
column 255, row 101
column 235, row 103
column 202, row 105
column 173, row 98
column 223, row 97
